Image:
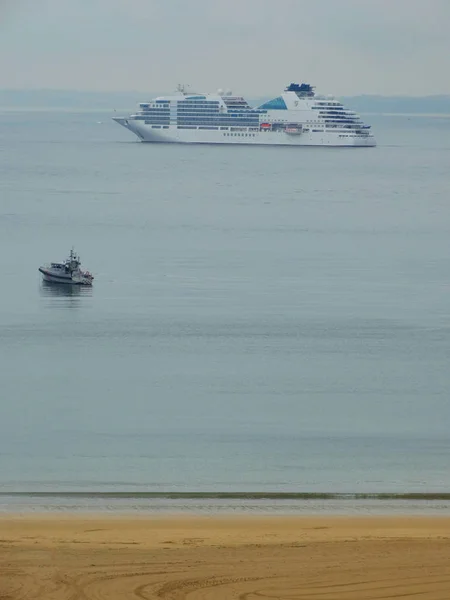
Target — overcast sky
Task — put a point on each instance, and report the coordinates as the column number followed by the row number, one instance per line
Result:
column 255, row 47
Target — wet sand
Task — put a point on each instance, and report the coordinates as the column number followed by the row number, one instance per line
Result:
column 58, row 557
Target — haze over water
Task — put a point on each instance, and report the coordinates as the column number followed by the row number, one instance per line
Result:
column 262, row 319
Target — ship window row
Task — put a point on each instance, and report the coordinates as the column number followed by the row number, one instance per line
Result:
column 197, row 101
column 213, row 118
column 238, row 106
column 322, row 107
column 242, row 115
column 154, row 120
column 338, row 117
column 157, row 117
column 198, row 108
column 198, row 104
column 194, row 103
column 212, row 115
column 344, row 125
column 216, row 117
column 153, row 117
column 192, row 106
column 246, row 110
column 150, row 118
column 198, row 111
column 199, row 115
column 241, row 134
column 163, row 107
column 324, row 113
column 341, row 121
column 244, row 125
column 154, row 105
column 332, row 112
column 221, row 128
column 219, row 123
column 155, row 112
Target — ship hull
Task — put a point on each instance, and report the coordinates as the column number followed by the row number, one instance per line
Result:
column 50, row 278
column 172, row 134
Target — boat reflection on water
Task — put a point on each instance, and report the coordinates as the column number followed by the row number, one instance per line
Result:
column 61, row 290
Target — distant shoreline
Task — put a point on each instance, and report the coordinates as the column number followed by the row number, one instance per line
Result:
column 125, row 110
column 72, row 100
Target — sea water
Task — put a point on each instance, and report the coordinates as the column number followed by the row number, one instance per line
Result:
column 263, row 319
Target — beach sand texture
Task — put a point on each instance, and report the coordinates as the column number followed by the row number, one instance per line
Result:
column 244, row 558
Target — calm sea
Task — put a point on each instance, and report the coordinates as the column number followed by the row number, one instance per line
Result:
column 262, row 320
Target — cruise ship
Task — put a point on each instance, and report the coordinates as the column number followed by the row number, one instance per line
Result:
column 298, row 117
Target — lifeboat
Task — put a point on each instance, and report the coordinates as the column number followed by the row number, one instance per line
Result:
column 293, row 129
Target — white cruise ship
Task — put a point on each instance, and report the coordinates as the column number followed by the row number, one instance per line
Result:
column 298, row 117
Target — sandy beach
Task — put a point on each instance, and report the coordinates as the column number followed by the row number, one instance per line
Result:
column 247, row 558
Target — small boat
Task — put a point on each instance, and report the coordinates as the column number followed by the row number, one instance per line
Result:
column 68, row 271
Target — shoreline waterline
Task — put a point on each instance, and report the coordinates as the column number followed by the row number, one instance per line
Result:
column 224, row 503
column 233, row 495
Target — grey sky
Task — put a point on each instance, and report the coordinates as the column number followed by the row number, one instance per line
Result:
column 251, row 46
